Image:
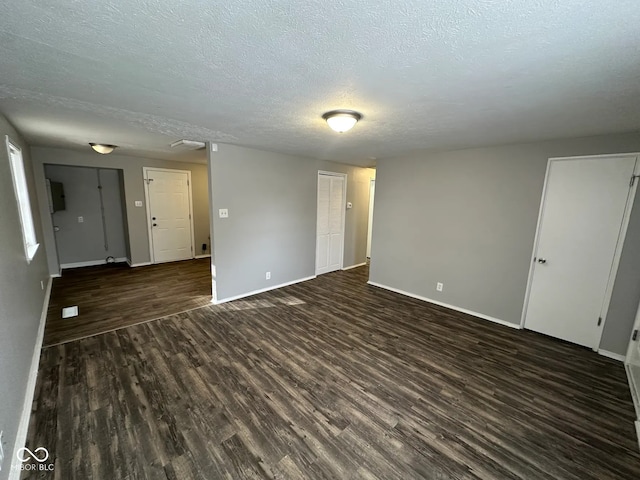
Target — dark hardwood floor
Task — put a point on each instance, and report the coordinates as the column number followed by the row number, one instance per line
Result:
column 114, row 296
column 331, row 379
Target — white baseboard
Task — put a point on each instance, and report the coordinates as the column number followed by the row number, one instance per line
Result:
column 262, row 290
column 446, row 305
column 614, row 356
column 23, row 426
column 141, row 264
column 205, row 255
column 55, row 275
column 355, row 266
column 90, row 263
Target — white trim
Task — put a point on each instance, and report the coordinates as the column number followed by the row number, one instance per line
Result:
column 90, row 263
column 55, row 275
column 23, row 199
column 619, row 244
column 145, row 171
column 23, row 426
column 141, row 264
column 344, row 213
column 612, row 355
column 206, row 255
column 372, row 193
column 355, row 266
column 603, row 155
column 262, row 290
column 446, row 305
column 634, row 391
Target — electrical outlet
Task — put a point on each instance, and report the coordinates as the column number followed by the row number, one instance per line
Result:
column 80, row 219
column 268, row 276
column 439, row 286
column 223, row 213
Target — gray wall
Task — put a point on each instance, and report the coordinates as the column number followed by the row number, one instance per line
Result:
column 626, row 289
column 468, row 218
column 136, row 218
column 21, row 297
column 271, row 200
column 85, row 242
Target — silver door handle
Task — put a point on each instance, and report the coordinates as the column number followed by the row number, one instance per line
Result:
column 542, row 260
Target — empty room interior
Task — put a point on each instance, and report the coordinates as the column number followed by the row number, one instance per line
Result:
column 316, row 240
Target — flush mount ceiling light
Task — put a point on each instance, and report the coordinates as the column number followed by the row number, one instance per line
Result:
column 342, row 120
column 103, row 148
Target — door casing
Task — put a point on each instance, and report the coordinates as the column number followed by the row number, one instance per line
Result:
column 145, row 175
column 344, row 216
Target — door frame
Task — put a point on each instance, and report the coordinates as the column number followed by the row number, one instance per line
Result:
column 619, row 244
column 372, row 191
column 635, row 388
column 145, row 181
column 344, row 216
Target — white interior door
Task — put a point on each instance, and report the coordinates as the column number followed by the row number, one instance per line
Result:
column 169, row 211
column 330, row 226
column 581, row 222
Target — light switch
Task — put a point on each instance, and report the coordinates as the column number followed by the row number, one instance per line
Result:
column 223, row 212
column 80, row 219
column 138, row 203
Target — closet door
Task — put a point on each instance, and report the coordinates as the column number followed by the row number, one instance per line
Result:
column 330, row 222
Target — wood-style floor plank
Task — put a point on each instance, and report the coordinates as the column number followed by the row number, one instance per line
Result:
column 331, row 379
column 115, row 295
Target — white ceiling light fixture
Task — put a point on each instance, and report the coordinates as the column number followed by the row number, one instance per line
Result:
column 342, row 120
column 103, row 148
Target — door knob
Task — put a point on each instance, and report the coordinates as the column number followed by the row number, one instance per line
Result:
column 153, row 218
column 542, row 260
column 155, row 224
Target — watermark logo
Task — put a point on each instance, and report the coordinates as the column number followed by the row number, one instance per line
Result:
column 23, row 451
column 40, row 455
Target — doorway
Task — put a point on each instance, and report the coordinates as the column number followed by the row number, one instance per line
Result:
column 330, row 221
column 87, row 212
column 581, row 228
column 169, row 214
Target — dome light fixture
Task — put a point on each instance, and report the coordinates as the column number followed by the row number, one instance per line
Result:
column 342, row 120
column 103, row 148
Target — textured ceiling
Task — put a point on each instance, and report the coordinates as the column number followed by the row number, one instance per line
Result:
column 260, row 73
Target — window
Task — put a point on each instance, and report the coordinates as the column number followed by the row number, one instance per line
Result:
column 22, row 195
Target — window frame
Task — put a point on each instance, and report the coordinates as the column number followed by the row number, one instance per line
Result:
column 23, row 199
